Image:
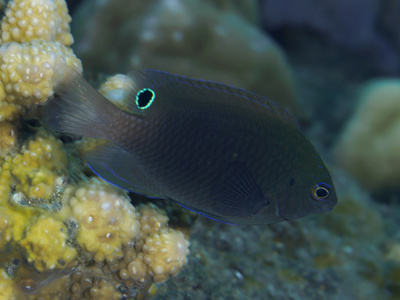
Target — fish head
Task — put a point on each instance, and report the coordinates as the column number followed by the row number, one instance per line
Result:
column 308, row 190
column 301, row 187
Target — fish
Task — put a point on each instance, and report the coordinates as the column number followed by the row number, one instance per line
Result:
column 223, row 152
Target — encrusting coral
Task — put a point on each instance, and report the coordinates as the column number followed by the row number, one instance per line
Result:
column 107, row 221
column 369, row 146
column 39, row 168
column 6, row 287
column 8, row 136
column 131, row 246
column 51, row 249
column 62, row 234
column 33, row 176
column 165, row 253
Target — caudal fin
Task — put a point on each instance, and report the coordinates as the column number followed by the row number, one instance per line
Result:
column 77, row 108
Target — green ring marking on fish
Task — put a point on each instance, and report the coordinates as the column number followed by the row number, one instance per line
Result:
column 144, row 98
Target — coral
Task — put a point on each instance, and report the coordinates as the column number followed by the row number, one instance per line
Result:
column 6, row 287
column 116, row 89
column 107, row 221
column 394, row 253
column 8, row 137
column 34, row 46
column 61, row 236
column 5, row 178
column 165, row 254
column 31, row 177
column 37, row 170
column 4, row 222
column 103, row 290
column 369, row 145
column 44, row 20
column 93, row 248
column 109, row 226
column 28, row 74
column 152, row 219
column 45, row 244
column 201, row 39
column 138, row 270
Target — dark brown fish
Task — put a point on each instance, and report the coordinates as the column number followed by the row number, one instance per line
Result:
column 223, row 152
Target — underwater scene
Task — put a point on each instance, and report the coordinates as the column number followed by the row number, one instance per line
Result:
column 199, row 149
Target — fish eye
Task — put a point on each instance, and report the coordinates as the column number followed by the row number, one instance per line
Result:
column 144, row 98
column 320, row 191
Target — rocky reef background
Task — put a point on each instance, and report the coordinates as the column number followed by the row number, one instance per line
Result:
column 336, row 65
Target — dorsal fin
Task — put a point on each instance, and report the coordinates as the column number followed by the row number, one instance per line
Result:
column 169, row 87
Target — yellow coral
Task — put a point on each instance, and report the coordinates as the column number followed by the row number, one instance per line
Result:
column 17, row 218
column 104, row 290
column 47, row 229
column 28, row 72
column 4, row 225
column 45, row 244
column 8, row 137
column 165, row 253
column 28, row 20
column 63, row 34
column 7, row 287
column 106, row 218
column 138, row 270
column 35, row 175
column 40, row 167
column 6, row 179
column 34, row 39
column 117, row 89
column 152, row 219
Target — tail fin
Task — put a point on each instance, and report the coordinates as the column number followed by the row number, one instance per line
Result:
column 78, row 108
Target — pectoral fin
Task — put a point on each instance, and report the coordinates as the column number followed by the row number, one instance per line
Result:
column 120, row 168
column 238, row 194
